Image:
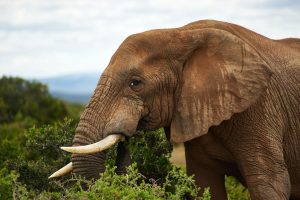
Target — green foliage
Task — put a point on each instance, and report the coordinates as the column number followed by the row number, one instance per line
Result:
column 22, row 105
column 235, row 190
column 206, row 194
column 7, row 181
column 10, row 188
column 42, row 154
column 111, row 186
column 178, row 185
column 11, row 141
column 153, row 161
column 151, row 156
column 74, row 110
column 28, row 100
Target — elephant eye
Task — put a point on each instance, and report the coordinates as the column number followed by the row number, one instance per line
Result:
column 134, row 84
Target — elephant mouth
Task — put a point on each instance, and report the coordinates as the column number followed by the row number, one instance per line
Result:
column 145, row 123
column 142, row 123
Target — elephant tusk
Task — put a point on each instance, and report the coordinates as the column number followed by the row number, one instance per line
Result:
column 63, row 171
column 95, row 147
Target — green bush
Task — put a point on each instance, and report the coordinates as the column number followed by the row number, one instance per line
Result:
column 30, row 100
column 109, row 186
column 7, row 180
column 235, row 190
column 42, row 154
column 24, row 104
column 11, row 188
column 151, row 151
column 155, row 176
column 11, row 141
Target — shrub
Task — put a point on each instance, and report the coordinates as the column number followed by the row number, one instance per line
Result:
column 109, row 186
column 151, row 151
column 24, row 104
column 7, row 181
column 22, row 99
column 11, row 142
column 42, row 154
column 235, row 190
column 154, row 173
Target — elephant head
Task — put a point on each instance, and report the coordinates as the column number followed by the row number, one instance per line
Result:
column 183, row 79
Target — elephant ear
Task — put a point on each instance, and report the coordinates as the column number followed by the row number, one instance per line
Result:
column 221, row 75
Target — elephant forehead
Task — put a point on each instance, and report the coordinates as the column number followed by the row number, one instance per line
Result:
column 120, row 66
column 140, row 64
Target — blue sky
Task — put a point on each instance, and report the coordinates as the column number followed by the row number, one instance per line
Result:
column 46, row 38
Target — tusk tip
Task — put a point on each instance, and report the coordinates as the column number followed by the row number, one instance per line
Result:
column 68, row 149
column 52, row 176
column 63, row 171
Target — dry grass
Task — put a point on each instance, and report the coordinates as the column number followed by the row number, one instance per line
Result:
column 178, row 155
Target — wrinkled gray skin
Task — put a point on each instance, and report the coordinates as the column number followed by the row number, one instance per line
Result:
column 231, row 95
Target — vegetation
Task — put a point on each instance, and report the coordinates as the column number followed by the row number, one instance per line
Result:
column 27, row 101
column 154, row 159
column 235, row 190
column 24, row 104
column 28, row 174
column 29, row 152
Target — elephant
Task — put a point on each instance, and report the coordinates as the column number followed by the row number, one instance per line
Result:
column 229, row 94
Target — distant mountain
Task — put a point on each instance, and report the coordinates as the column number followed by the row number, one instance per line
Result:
column 73, row 87
column 75, row 98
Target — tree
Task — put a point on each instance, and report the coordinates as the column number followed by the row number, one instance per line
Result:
column 24, row 104
column 30, row 101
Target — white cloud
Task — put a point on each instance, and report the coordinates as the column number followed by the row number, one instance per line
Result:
column 47, row 38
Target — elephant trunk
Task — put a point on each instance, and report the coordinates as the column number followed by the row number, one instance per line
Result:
column 87, row 165
column 91, row 129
